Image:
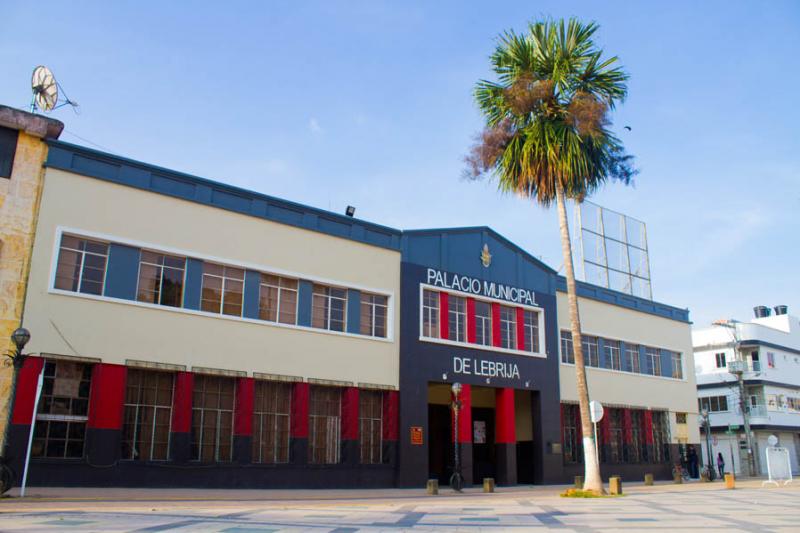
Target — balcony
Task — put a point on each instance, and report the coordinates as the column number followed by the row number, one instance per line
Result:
column 758, row 411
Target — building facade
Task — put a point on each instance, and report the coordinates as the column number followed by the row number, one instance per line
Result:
column 765, row 352
column 195, row 334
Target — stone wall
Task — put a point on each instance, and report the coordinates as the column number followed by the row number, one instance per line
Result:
column 19, row 201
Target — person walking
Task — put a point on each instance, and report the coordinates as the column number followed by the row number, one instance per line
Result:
column 721, row 465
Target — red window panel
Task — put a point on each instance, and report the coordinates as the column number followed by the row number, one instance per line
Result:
column 471, row 320
column 495, row 324
column 444, row 315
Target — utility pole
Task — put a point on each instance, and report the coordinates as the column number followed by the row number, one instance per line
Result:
column 737, row 368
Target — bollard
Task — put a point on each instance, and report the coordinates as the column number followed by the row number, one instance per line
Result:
column 730, row 481
column 578, row 482
column 488, row 484
column 677, row 477
column 615, row 485
column 648, row 479
column 433, row 487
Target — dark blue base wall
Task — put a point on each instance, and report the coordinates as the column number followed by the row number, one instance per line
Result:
column 74, row 473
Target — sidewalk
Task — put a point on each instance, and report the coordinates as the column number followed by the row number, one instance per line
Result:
column 100, row 494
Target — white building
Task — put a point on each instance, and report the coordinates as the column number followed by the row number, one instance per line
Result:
column 767, row 352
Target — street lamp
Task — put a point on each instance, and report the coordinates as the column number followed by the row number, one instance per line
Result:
column 707, row 425
column 456, row 480
column 20, row 338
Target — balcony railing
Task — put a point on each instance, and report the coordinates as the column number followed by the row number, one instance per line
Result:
column 758, row 410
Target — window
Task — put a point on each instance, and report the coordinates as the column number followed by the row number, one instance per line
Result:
column 793, row 403
column 370, row 425
column 277, row 299
column 567, row 351
column 653, row 359
column 222, row 289
column 714, row 404
column 324, row 420
column 161, row 279
column 770, row 359
column 483, row 323
column 8, row 147
column 616, row 444
column 373, row 314
column 590, row 355
column 148, row 411
column 457, row 318
column 328, row 308
column 430, row 314
column 755, row 364
column 508, row 327
column 81, row 265
column 632, row 356
column 680, row 418
column 212, row 418
column 272, row 402
column 531, row 331
column 636, row 451
column 571, row 440
column 660, row 437
column 720, row 357
column 612, row 353
column 63, row 408
column 677, row 365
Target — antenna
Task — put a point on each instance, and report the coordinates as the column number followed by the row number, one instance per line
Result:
column 46, row 91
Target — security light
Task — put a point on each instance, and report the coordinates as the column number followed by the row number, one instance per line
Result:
column 350, row 211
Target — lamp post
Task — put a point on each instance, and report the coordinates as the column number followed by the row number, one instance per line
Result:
column 20, row 337
column 709, row 457
column 456, row 480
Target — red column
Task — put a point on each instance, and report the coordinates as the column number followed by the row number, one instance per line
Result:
column 648, row 426
column 107, row 396
column 350, row 413
column 299, row 419
column 627, row 426
column 471, row 325
column 243, row 411
column 182, row 402
column 27, row 380
column 390, row 415
column 444, row 315
column 505, row 419
column 605, row 427
column 520, row 328
column 495, row 324
column 464, row 415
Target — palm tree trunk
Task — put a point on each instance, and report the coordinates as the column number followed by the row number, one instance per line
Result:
column 592, row 479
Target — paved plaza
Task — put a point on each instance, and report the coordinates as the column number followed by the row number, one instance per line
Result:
column 694, row 506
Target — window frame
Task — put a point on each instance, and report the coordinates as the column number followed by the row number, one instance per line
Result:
column 151, row 423
column 327, row 307
column 371, row 422
column 371, row 305
column 225, row 278
column 59, row 247
column 259, row 417
column 508, row 327
column 457, row 318
column 160, row 268
column 263, row 282
column 218, row 411
column 425, row 310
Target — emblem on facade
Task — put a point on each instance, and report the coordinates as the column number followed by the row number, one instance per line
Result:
column 486, row 257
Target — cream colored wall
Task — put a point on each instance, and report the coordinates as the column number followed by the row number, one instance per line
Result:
column 635, row 390
column 114, row 332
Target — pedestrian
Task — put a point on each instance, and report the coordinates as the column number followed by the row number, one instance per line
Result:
column 721, row 465
column 691, row 457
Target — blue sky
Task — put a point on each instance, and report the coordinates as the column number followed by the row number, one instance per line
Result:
column 369, row 104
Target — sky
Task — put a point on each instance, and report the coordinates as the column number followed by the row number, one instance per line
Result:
column 370, row 104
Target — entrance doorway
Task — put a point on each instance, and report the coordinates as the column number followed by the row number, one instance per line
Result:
column 440, row 443
column 483, row 444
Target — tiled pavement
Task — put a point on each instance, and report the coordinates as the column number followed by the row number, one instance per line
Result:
column 667, row 507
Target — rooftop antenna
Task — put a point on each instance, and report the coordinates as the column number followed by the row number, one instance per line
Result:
column 46, row 91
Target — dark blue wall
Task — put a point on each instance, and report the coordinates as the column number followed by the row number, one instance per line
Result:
column 458, row 252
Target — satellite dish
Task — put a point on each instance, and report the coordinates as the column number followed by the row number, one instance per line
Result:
column 45, row 89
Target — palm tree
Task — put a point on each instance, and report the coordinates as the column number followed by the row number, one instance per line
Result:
column 547, row 138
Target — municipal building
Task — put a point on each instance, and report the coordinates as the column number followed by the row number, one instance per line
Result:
column 195, row 334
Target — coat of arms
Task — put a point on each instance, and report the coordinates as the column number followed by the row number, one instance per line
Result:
column 486, row 257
